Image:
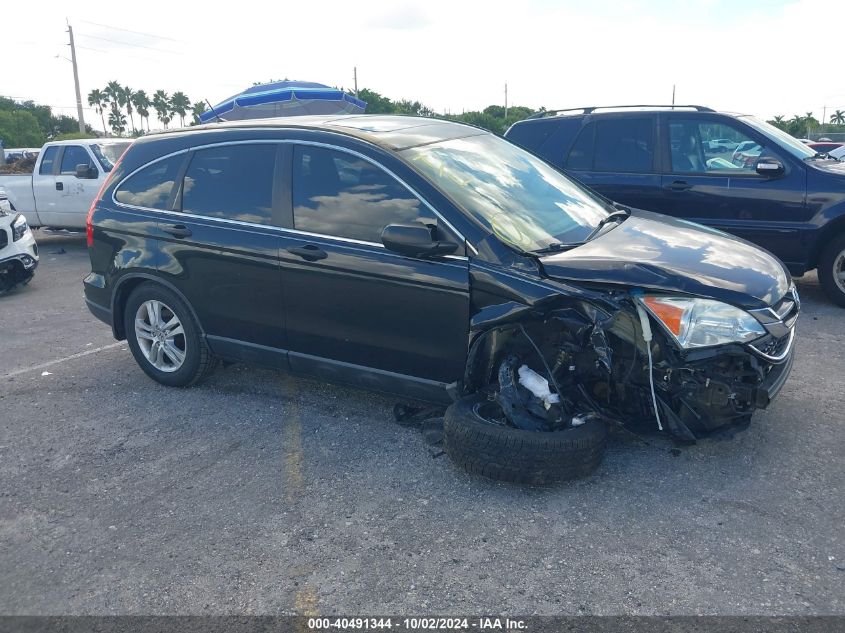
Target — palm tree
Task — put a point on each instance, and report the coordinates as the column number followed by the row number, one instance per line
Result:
column 142, row 106
column 161, row 104
column 98, row 100
column 117, row 122
column 838, row 117
column 127, row 101
column 115, row 97
column 179, row 104
column 197, row 110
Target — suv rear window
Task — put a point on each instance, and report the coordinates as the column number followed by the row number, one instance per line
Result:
column 234, row 182
column 625, row 145
column 152, row 186
column 615, row 145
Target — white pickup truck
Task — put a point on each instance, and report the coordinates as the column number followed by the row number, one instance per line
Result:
column 66, row 177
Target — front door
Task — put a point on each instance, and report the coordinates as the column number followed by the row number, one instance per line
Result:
column 356, row 311
column 73, row 194
column 711, row 179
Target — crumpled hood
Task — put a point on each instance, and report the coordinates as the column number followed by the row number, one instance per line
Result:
column 657, row 252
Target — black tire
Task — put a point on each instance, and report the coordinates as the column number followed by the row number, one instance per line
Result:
column 198, row 362
column 829, row 263
column 524, row 457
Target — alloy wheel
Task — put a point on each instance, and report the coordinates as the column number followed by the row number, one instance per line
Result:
column 839, row 271
column 160, row 336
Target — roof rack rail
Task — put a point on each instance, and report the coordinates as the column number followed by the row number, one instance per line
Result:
column 591, row 109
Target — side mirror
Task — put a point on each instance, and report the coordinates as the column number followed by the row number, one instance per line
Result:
column 770, row 167
column 85, row 171
column 414, row 239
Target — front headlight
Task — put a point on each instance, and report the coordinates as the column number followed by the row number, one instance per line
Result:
column 19, row 228
column 703, row 322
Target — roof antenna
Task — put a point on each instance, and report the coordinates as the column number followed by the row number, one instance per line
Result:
column 213, row 111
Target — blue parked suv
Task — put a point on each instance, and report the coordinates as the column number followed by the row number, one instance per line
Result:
column 732, row 172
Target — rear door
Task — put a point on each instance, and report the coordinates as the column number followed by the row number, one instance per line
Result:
column 355, row 310
column 719, row 186
column 219, row 246
column 616, row 157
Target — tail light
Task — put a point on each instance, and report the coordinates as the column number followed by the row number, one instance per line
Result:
column 89, row 219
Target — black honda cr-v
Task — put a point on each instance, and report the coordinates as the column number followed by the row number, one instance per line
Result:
column 440, row 262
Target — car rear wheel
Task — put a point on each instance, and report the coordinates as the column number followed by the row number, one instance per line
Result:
column 477, row 442
column 832, row 270
column 164, row 337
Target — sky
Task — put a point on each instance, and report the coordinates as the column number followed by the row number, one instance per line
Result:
column 764, row 57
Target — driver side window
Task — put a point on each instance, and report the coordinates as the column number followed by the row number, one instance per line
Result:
column 712, row 148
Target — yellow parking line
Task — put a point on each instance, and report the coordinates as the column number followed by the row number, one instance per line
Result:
column 292, row 443
column 305, row 602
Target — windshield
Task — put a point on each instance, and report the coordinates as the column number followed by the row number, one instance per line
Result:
column 524, row 201
column 784, row 140
column 108, row 153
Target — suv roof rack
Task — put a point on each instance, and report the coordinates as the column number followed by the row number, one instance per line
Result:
column 591, row 109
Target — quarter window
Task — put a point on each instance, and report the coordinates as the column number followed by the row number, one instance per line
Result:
column 338, row 194
column 47, row 160
column 624, row 145
column 234, row 182
column 74, row 155
column 152, row 186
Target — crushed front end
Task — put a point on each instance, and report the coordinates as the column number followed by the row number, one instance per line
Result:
column 593, row 358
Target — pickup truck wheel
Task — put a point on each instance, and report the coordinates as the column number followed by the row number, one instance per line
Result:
column 832, row 270
column 476, row 442
column 164, row 338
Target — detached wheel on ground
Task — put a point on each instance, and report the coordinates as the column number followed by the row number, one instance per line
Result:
column 831, row 270
column 476, row 442
column 164, row 338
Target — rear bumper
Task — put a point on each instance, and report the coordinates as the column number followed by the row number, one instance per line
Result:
column 104, row 314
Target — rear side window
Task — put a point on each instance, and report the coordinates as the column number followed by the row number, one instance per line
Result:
column 74, row 155
column 338, row 194
column 47, row 160
column 624, row 145
column 152, row 186
column 234, row 182
column 581, row 154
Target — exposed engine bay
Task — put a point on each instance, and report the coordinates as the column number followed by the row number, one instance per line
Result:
column 551, row 369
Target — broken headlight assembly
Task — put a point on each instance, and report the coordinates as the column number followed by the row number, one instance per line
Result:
column 702, row 322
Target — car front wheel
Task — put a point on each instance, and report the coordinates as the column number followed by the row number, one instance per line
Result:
column 164, row 337
column 832, row 270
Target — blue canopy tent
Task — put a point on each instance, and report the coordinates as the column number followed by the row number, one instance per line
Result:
column 284, row 98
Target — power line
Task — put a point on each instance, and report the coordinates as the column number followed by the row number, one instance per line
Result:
column 124, row 43
column 117, row 28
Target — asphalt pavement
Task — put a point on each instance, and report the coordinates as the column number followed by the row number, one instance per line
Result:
column 261, row 493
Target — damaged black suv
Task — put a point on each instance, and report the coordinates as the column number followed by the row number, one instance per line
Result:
column 437, row 261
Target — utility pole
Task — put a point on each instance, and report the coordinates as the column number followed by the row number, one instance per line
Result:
column 355, row 77
column 673, row 95
column 824, row 114
column 506, row 100
column 76, row 80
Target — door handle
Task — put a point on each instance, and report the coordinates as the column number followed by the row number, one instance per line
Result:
column 60, row 186
column 177, row 230
column 309, row 252
column 679, row 185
